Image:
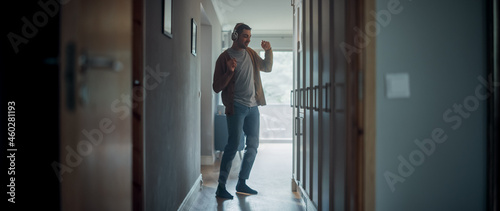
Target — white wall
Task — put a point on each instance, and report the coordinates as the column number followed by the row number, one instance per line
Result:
column 210, row 48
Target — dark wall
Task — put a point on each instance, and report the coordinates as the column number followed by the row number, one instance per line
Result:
column 31, row 81
column 444, row 53
column 172, row 142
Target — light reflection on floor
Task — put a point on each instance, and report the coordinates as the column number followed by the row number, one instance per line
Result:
column 271, row 176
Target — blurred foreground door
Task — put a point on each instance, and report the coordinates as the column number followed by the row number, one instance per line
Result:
column 96, row 147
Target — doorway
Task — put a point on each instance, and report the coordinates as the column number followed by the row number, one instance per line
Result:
column 272, row 170
column 207, row 97
column 275, row 149
column 276, row 117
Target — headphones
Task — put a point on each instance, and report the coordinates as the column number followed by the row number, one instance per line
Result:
column 234, row 35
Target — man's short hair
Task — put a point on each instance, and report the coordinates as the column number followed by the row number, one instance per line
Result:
column 241, row 27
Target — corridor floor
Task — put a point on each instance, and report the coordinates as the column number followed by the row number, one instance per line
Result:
column 271, row 176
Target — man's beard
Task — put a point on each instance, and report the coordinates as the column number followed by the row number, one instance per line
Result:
column 244, row 45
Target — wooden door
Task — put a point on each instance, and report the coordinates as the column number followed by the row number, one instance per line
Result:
column 95, row 148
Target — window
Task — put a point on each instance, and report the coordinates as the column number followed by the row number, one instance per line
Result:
column 278, row 83
column 277, row 116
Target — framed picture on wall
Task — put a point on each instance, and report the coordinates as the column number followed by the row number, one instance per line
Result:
column 194, row 35
column 167, row 18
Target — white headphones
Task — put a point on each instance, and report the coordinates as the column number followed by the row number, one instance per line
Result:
column 234, row 35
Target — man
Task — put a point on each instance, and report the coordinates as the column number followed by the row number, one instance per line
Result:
column 237, row 75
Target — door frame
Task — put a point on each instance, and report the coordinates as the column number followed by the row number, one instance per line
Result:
column 363, row 143
column 362, row 135
column 493, row 147
column 368, row 112
column 138, row 136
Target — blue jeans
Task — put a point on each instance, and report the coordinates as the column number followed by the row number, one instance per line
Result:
column 244, row 120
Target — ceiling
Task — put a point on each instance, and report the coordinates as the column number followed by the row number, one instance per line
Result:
column 263, row 16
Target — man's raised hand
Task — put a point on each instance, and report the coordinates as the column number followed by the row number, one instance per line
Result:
column 231, row 64
column 265, row 45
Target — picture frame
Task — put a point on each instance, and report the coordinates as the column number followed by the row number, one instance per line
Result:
column 194, row 35
column 167, row 18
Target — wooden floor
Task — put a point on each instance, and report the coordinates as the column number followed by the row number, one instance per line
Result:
column 271, row 176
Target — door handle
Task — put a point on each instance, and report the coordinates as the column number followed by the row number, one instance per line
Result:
column 298, row 125
column 306, row 98
column 315, row 93
column 301, row 97
column 70, row 75
column 86, row 63
column 99, row 62
column 326, row 98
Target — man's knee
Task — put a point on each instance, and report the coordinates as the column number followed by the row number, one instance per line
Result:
column 251, row 149
column 252, row 142
column 231, row 147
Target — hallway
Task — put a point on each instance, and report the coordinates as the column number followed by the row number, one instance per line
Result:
column 271, row 176
column 391, row 109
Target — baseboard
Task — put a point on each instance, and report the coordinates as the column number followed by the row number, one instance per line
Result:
column 207, row 160
column 294, row 185
column 305, row 199
column 192, row 195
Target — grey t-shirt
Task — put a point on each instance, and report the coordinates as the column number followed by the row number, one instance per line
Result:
column 244, row 89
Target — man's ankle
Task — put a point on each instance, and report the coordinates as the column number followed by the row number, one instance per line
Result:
column 221, row 186
column 243, row 188
column 222, row 192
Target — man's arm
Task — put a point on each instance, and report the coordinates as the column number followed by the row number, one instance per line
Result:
column 267, row 63
column 224, row 71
